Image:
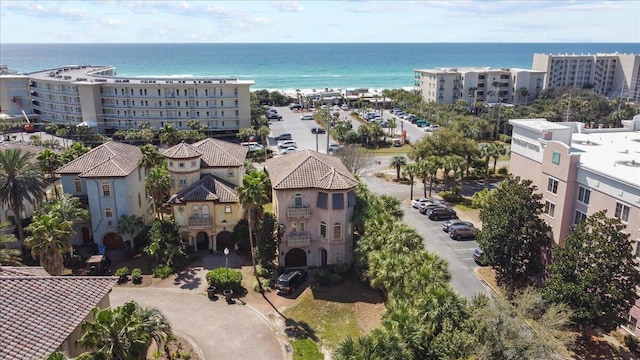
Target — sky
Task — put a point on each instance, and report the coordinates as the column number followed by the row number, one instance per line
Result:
column 344, row 21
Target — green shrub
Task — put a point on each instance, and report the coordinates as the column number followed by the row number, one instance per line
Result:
column 162, row 271
column 262, row 272
column 334, row 278
column 265, row 285
column 450, row 196
column 631, row 342
column 136, row 276
column 342, row 268
column 503, row 171
column 224, row 278
column 505, row 138
column 123, row 271
column 479, row 199
column 321, row 277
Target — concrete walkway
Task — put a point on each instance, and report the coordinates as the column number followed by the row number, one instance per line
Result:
column 220, row 330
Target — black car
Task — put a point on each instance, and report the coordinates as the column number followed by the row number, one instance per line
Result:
column 288, row 281
column 295, row 107
column 284, row 136
column 440, row 212
column 274, row 116
column 318, row 130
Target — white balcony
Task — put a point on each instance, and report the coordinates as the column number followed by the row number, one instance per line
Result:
column 298, row 212
column 299, row 239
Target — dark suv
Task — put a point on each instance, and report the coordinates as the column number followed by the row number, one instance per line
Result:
column 462, row 231
column 288, row 281
column 437, row 213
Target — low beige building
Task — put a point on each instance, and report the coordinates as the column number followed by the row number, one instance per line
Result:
column 204, row 200
column 314, row 198
column 42, row 313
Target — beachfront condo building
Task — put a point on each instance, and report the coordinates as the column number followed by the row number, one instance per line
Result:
column 580, row 171
column 449, row 85
column 97, row 96
column 612, row 75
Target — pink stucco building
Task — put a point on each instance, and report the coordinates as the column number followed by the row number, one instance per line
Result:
column 580, row 171
column 314, row 198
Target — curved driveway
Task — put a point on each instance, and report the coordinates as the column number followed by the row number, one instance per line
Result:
column 220, row 330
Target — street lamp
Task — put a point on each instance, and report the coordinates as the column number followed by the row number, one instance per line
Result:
column 226, row 261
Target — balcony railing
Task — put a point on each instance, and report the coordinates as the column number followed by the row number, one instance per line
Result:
column 197, row 222
column 298, row 212
column 299, row 239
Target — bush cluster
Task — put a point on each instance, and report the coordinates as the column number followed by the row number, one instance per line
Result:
column 225, row 278
column 162, row 271
column 136, row 276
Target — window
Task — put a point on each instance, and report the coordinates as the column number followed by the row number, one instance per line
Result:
column 584, row 195
column 106, row 189
column 622, row 212
column 323, row 229
column 193, row 164
column 322, row 200
column 301, row 226
column 108, row 212
column 549, row 208
column 181, row 165
column 337, row 201
column 230, row 172
column 78, row 185
column 297, row 200
column 552, row 186
column 227, row 209
column 555, row 157
column 182, row 181
column 580, row 217
column 337, row 231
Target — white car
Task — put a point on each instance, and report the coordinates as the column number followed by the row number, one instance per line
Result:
column 306, row 117
column 345, row 107
column 256, row 147
column 334, row 147
column 289, row 150
column 287, row 144
column 416, row 202
column 432, row 128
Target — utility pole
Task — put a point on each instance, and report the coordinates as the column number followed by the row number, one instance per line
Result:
column 568, row 108
column 328, row 129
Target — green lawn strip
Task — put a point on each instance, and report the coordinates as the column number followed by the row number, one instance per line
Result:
column 331, row 321
column 306, row 349
column 402, row 150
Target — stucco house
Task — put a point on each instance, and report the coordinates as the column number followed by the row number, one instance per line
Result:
column 204, row 200
column 109, row 180
column 42, row 313
column 314, row 198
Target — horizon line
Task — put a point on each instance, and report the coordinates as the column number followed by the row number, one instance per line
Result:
column 320, row 43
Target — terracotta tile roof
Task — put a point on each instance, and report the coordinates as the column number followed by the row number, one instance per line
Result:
column 208, row 188
column 309, row 169
column 40, row 312
column 22, row 271
column 111, row 159
column 219, row 153
column 182, row 151
column 35, row 150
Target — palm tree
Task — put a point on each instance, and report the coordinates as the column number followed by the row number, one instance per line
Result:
column 392, row 126
column 74, row 151
column 130, row 225
column 253, row 195
column 49, row 161
column 169, row 135
column 125, row 332
column 430, row 167
column 51, row 237
column 263, row 132
column 8, row 257
column 522, row 92
column 20, row 181
column 411, row 170
column 398, row 162
column 67, row 208
column 158, row 183
column 151, row 157
column 495, row 150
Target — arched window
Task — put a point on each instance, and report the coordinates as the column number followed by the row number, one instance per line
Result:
column 323, row 229
column 337, row 231
column 205, row 211
column 297, row 200
column 227, row 209
column 106, row 189
column 195, row 211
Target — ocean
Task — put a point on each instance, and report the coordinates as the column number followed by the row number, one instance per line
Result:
column 288, row 67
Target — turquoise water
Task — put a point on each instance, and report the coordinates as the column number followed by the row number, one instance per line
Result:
column 292, row 66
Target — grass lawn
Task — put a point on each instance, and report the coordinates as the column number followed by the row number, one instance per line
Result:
column 332, row 321
column 306, row 349
column 402, row 150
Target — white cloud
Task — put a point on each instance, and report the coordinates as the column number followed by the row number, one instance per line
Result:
column 288, row 6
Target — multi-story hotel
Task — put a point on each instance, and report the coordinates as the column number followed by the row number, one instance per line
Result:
column 448, row 85
column 96, row 96
column 580, row 171
column 613, row 75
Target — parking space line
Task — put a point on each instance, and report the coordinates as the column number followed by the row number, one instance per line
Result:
column 466, row 249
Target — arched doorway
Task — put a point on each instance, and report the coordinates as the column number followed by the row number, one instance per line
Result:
column 223, row 240
column 202, row 241
column 295, row 258
column 323, row 257
column 113, row 241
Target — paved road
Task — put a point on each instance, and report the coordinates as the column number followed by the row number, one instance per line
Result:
column 220, row 330
column 457, row 253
